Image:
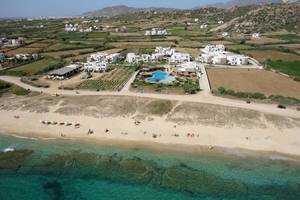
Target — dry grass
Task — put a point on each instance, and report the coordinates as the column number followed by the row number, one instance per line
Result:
column 216, row 42
column 69, row 52
column 180, row 113
column 265, row 40
column 263, row 55
column 38, row 45
column 194, row 52
column 126, row 34
column 140, row 44
column 23, row 50
column 262, row 81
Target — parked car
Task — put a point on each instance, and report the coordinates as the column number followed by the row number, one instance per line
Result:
column 281, row 106
column 298, row 108
column 248, row 102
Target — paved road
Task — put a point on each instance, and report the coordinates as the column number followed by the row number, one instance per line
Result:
column 200, row 98
column 203, row 80
column 127, row 86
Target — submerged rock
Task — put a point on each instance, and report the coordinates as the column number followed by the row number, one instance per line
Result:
column 13, row 160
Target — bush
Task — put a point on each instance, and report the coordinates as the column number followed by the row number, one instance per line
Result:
column 256, row 95
column 221, row 90
column 284, row 100
column 19, row 91
column 7, row 87
column 191, row 87
column 13, row 73
column 4, row 85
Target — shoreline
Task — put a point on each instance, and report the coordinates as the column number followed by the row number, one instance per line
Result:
column 170, row 149
column 207, row 138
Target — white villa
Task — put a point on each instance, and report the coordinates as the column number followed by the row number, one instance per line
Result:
column 156, row 57
column 146, row 58
column 96, row 66
column 215, row 49
column 165, row 51
column 133, row 58
column 219, row 60
column 180, row 57
column 203, row 26
column 104, row 57
column 225, row 34
column 216, row 54
column 87, row 30
column 71, row 27
column 160, row 53
column 23, row 56
column 256, row 35
column 156, row 31
column 98, row 62
column 238, row 60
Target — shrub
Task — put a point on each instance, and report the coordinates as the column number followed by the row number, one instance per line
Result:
column 19, row 91
column 284, row 100
column 191, row 87
column 256, row 95
column 4, row 85
column 221, row 90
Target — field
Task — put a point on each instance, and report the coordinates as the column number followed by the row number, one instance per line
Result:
column 36, row 67
column 69, row 46
column 263, row 55
column 111, row 81
column 29, row 50
column 242, row 80
column 291, row 68
column 140, row 44
column 265, row 40
column 192, row 51
column 69, row 52
column 38, row 45
column 11, row 88
column 288, row 37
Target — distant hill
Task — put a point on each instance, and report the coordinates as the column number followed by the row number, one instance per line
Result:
column 239, row 3
column 121, row 9
column 267, row 18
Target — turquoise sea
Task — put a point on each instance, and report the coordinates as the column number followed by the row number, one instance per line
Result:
column 52, row 169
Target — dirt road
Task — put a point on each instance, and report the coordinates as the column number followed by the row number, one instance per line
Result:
column 200, row 98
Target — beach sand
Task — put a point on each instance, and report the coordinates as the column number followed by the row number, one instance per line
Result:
column 136, row 120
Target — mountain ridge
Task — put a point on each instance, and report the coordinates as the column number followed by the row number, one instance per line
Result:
column 122, row 9
column 239, row 3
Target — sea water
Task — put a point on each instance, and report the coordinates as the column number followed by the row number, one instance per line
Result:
column 69, row 169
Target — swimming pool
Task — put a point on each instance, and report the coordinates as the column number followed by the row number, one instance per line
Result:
column 161, row 77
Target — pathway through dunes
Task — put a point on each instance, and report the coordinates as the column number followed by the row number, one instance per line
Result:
column 200, row 98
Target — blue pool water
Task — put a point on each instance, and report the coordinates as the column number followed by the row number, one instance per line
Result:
column 161, row 77
column 59, row 170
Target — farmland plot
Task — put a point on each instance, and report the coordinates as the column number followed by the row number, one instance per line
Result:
column 112, row 81
column 242, row 80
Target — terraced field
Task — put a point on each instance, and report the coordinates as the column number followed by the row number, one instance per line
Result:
column 112, row 81
column 37, row 66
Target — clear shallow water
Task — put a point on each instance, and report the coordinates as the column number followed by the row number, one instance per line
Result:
column 72, row 170
column 161, row 77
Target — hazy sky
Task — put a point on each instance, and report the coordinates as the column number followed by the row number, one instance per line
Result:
column 30, row 8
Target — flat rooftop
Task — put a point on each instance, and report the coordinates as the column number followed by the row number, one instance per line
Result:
column 65, row 70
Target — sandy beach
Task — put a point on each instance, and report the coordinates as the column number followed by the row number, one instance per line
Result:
column 147, row 120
